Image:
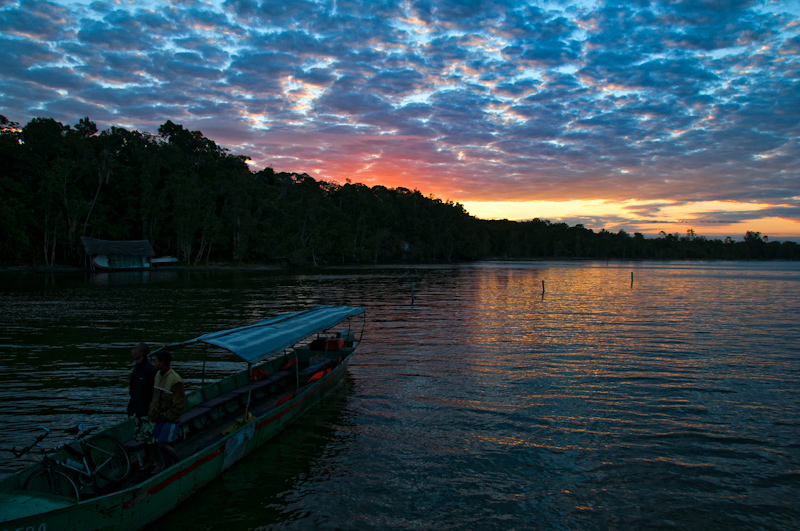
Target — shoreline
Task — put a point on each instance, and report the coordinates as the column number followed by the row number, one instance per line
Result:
column 10, row 270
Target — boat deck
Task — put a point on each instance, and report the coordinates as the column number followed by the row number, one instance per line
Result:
column 22, row 504
column 208, row 421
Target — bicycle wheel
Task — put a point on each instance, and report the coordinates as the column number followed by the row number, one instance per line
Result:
column 55, row 482
column 109, row 457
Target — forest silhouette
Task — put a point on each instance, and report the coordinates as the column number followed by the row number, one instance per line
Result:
column 195, row 200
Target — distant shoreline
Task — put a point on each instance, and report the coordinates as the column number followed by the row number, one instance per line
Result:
column 262, row 267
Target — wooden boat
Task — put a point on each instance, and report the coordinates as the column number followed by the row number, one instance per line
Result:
column 223, row 421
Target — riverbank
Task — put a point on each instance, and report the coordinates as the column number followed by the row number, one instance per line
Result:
column 207, row 267
column 219, row 266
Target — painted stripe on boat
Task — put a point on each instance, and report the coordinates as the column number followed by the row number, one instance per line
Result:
column 309, row 394
column 174, row 477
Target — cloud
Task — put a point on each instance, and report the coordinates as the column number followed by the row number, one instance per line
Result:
column 36, row 20
column 478, row 100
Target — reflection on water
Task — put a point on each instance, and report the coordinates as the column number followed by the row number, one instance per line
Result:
column 670, row 401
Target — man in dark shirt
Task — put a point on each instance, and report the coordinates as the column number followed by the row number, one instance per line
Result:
column 142, row 378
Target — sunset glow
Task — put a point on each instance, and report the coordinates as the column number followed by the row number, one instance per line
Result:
column 711, row 219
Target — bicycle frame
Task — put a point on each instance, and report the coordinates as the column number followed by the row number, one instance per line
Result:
column 87, row 475
column 87, row 468
column 90, row 459
column 94, row 456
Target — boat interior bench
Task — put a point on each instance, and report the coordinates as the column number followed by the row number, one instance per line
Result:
column 204, row 413
column 201, row 415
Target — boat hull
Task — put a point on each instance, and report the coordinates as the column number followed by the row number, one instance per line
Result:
column 141, row 504
column 122, row 263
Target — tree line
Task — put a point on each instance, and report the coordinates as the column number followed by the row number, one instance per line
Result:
column 195, row 200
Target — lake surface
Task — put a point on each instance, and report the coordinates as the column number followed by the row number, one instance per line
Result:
column 669, row 399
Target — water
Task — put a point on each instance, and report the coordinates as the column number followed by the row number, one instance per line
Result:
column 669, row 402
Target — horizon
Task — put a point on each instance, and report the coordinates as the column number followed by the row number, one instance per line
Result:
column 660, row 116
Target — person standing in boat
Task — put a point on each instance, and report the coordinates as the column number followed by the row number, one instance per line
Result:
column 169, row 399
column 141, row 386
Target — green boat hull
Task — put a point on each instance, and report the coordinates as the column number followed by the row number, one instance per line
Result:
column 136, row 506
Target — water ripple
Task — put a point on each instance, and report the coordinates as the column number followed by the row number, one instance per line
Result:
column 669, row 404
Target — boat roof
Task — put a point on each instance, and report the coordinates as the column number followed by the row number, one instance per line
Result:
column 257, row 341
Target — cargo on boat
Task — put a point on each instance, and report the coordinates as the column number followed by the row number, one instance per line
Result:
column 292, row 362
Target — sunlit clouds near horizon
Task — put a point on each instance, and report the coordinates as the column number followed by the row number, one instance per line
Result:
column 635, row 115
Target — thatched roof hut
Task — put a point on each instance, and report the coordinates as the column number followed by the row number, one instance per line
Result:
column 106, row 254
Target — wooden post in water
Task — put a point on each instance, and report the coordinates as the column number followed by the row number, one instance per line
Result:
column 412, row 294
column 631, row 278
column 542, row 287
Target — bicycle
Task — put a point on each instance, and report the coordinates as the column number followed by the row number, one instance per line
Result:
column 102, row 456
column 53, row 481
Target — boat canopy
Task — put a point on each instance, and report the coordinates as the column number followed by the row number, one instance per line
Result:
column 260, row 340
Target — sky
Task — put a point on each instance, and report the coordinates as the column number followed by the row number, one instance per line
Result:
column 632, row 115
